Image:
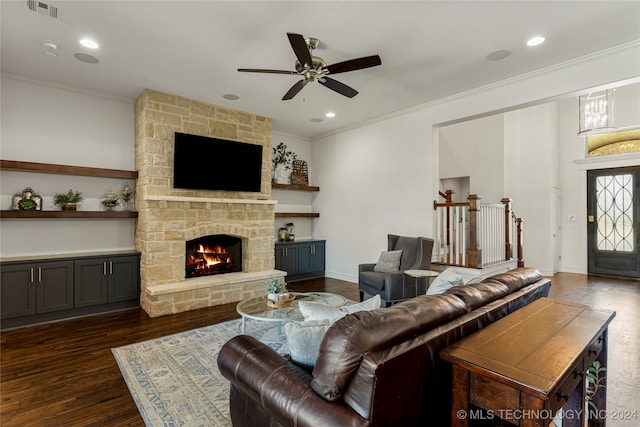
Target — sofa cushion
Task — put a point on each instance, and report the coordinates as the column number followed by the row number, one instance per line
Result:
column 304, row 340
column 389, row 261
column 354, row 335
column 318, row 311
column 445, row 280
column 518, row 278
column 478, row 294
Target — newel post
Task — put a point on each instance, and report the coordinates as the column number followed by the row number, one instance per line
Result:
column 519, row 222
column 474, row 254
column 507, row 227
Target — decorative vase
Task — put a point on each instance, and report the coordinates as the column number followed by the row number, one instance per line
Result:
column 280, row 174
column 272, row 296
column 282, row 234
column 69, row 207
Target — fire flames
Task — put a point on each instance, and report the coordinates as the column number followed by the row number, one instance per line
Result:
column 213, row 256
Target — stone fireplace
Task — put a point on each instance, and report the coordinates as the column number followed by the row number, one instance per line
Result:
column 169, row 218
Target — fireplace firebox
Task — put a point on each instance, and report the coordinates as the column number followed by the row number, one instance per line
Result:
column 215, row 254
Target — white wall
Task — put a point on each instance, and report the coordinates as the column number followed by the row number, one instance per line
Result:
column 475, row 149
column 382, row 177
column 49, row 124
column 295, row 201
column 573, row 178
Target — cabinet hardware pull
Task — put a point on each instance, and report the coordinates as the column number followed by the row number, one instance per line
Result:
column 40, row 274
column 104, row 268
column 562, row 396
column 577, row 373
column 111, row 268
column 31, row 275
column 594, row 352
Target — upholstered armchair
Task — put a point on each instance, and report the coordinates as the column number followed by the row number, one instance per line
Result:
column 392, row 284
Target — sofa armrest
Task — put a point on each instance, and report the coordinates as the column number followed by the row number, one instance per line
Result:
column 281, row 388
column 366, row 267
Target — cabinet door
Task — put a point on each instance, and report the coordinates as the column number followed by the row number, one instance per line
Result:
column 304, row 257
column 91, row 282
column 287, row 258
column 54, row 286
column 17, row 290
column 317, row 256
column 311, row 257
column 123, row 278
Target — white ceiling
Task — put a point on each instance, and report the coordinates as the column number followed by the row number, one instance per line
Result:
column 429, row 49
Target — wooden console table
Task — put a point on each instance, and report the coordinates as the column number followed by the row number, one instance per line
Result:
column 526, row 366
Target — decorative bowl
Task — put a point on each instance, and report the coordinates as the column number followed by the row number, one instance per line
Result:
column 279, row 303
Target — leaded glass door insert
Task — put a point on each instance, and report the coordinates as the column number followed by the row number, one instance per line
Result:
column 614, row 194
column 612, row 222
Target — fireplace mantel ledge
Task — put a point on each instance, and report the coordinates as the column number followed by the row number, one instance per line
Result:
column 214, row 280
column 209, row 200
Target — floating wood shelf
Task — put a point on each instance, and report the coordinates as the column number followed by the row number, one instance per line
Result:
column 298, row 187
column 66, row 214
column 67, row 170
column 297, row 215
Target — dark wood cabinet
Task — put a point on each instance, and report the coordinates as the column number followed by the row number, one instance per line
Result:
column 35, row 288
column 287, row 258
column 301, row 260
column 45, row 290
column 105, row 280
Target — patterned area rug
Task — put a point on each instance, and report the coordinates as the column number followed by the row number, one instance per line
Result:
column 175, row 381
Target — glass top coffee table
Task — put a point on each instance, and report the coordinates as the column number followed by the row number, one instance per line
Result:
column 257, row 309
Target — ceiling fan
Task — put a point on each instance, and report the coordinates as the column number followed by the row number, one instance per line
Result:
column 313, row 68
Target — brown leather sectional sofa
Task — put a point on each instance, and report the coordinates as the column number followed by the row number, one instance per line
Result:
column 375, row 368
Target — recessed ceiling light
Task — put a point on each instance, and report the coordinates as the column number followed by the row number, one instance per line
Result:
column 317, row 120
column 86, row 58
column 535, row 41
column 49, row 45
column 498, row 55
column 89, row 43
column 231, row 96
column 330, row 114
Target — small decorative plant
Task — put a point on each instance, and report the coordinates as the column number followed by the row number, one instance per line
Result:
column 69, row 199
column 282, row 156
column 275, row 287
column 594, row 382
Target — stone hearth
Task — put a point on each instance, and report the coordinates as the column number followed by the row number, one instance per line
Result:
column 169, row 217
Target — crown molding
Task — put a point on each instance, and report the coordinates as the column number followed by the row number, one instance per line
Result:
column 84, row 91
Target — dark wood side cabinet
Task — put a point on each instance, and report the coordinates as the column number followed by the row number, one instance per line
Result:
column 36, row 291
column 528, row 365
column 105, row 280
column 36, row 287
column 302, row 259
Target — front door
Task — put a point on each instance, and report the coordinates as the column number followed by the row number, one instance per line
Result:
column 612, row 223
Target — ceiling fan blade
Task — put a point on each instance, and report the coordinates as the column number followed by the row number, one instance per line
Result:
column 294, row 90
column 256, row 70
column 300, row 48
column 354, row 64
column 341, row 88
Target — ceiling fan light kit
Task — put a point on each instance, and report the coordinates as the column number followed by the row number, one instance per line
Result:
column 312, row 68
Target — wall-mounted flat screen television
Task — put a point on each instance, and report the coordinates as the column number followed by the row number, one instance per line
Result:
column 203, row 163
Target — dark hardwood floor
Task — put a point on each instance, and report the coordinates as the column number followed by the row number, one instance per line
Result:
column 64, row 374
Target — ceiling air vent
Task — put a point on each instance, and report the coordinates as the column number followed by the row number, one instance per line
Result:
column 50, row 10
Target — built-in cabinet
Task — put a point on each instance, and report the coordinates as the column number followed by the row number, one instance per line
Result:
column 35, row 288
column 302, row 259
column 105, row 280
column 34, row 291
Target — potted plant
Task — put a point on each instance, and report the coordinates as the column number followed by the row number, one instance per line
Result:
column 281, row 159
column 68, row 201
column 276, row 289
